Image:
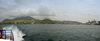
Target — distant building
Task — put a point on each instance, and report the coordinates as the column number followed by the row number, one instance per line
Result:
column 98, row 23
column 91, row 22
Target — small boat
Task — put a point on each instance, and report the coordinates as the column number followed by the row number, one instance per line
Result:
column 6, row 35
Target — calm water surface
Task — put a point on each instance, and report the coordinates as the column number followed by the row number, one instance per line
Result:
column 58, row 32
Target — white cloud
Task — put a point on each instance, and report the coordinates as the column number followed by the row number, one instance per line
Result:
column 78, row 10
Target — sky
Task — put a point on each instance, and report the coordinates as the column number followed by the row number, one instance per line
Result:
column 70, row 10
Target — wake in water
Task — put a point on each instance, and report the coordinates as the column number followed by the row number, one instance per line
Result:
column 17, row 33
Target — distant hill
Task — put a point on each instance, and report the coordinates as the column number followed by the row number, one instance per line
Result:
column 30, row 20
column 23, row 18
column 19, row 18
column 6, row 20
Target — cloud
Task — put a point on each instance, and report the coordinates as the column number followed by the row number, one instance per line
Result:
column 54, row 9
column 17, row 8
column 45, row 11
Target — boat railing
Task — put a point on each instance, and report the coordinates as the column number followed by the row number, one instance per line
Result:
column 6, row 34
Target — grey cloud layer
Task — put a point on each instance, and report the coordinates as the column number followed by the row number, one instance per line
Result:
column 17, row 8
column 63, row 9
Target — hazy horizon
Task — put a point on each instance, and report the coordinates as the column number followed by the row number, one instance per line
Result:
column 73, row 10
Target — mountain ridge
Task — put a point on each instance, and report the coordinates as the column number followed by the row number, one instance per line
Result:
column 30, row 20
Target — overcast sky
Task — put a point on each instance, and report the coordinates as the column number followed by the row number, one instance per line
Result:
column 74, row 10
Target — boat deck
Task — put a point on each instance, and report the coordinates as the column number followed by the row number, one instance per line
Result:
column 4, row 40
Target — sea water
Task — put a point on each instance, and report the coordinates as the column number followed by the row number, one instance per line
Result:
column 59, row 32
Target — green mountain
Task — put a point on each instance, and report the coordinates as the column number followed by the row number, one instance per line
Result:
column 19, row 18
column 30, row 20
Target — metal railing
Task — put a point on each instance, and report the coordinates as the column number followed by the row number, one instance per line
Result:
column 6, row 34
